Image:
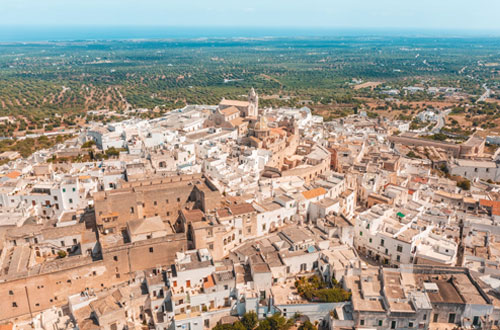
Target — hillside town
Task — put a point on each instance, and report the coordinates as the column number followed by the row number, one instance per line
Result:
column 212, row 215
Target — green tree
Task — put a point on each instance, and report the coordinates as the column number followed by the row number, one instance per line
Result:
column 88, row 144
column 264, row 325
column 62, row 254
column 464, row 184
column 223, row 327
column 238, row 326
column 250, row 320
column 307, row 325
column 279, row 322
column 112, row 152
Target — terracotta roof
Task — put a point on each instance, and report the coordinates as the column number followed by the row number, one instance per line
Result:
column 146, row 226
column 494, row 205
column 235, row 103
column 237, row 121
column 314, row 193
column 235, row 209
column 193, row 215
column 13, row 174
column 209, row 282
column 420, row 180
column 241, row 208
column 488, row 203
column 104, row 305
column 7, row 326
column 278, row 131
column 222, row 213
column 230, row 111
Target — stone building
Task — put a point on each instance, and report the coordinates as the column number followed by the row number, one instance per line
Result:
column 161, row 197
column 248, row 108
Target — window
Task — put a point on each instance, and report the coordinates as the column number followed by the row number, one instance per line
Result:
column 400, row 248
column 382, row 242
column 62, row 243
column 451, row 318
column 360, row 233
column 115, row 258
column 74, row 189
column 370, row 240
column 380, row 323
column 11, row 293
column 178, row 199
column 398, row 258
column 436, row 317
column 151, row 250
column 64, row 190
column 155, row 203
column 71, row 201
column 368, row 226
column 410, row 324
column 361, row 322
column 393, row 325
column 425, row 317
column 75, row 242
column 14, row 304
column 131, row 210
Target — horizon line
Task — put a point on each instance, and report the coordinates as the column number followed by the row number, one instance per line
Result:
column 36, row 33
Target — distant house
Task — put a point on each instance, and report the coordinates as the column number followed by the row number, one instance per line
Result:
column 427, row 116
column 9, row 155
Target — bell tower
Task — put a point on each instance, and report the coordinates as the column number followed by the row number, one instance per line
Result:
column 253, row 107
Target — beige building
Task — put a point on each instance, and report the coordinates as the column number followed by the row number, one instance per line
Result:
column 161, row 197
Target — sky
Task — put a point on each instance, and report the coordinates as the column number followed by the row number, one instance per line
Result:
column 361, row 14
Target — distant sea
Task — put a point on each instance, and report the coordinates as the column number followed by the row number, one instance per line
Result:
column 66, row 33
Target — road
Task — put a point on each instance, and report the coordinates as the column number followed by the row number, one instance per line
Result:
column 34, row 136
column 441, row 121
column 485, row 95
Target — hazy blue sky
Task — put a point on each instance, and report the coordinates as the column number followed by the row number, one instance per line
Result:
column 428, row 14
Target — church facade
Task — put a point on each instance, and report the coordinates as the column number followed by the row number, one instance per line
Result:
column 248, row 109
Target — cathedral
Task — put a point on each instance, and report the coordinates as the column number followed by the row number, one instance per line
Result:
column 248, row 108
